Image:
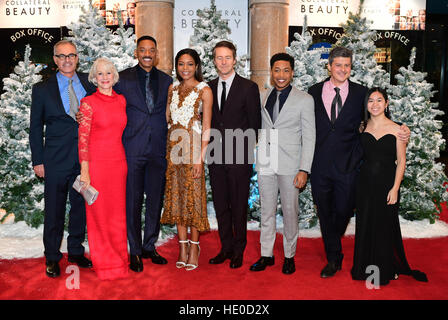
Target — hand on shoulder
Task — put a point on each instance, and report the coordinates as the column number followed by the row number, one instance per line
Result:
column 402, row 132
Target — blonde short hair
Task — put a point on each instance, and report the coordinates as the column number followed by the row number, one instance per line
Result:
column 109, row 67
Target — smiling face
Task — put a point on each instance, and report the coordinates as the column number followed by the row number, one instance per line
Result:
column 376, row 104
column 146, row 53
column 224, row 61
column 131, row 9
column 340, row 70
column 104, row 77
column 186, row 67
column 281, row 73
column 66, row 65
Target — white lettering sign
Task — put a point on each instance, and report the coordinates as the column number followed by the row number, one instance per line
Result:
column 235, row 12
column 385, row 14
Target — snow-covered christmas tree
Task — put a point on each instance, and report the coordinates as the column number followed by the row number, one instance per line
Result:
column 359, row 37
column 422, row 186
column 309, row 68
column 126, row 40
column 21, row 193
column 209, row 30
column 93, row 40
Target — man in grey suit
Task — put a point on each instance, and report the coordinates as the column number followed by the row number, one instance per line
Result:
column 284, row 158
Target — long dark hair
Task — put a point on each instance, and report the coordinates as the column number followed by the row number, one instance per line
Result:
column 197, row 60
column 366, row 111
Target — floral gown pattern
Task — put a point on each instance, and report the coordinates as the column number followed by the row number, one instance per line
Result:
column 185, row 200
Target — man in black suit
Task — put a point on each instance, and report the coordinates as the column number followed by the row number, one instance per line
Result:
column 144, row 138
column 339, row 110
column 236, row 113
column 55, row 155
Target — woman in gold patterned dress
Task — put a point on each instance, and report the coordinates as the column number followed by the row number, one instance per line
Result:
column 188, row 113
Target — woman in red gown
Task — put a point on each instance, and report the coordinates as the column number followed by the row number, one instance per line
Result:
column 103, row 165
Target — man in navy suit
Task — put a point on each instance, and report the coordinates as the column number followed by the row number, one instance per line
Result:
column 339, row 109
column 146, row 90
column 55, row 155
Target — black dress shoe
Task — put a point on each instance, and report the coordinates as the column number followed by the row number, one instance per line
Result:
column 154, row 256
column 289, row 266
column 52, row 269
column 236, row 261
column 330, row 269
column 80, row 260
column 262, row 263
column 136, row 263
column 220, row 258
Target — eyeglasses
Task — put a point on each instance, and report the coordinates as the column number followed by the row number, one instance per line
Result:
column 61, row 56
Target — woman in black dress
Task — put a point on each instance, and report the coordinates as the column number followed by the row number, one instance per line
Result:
column 378, row 239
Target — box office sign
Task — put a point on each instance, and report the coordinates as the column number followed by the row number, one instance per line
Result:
column 385, row 14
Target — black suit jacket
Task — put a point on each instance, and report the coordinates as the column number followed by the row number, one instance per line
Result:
column 145, row 133
column 59, row 150
column 242, row 111
column 338, row 143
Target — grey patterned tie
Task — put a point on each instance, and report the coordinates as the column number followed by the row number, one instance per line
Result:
column 74, row 103
column 276, row 110
column 148, row 93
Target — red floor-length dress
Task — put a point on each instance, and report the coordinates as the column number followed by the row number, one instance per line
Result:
column 104, row 119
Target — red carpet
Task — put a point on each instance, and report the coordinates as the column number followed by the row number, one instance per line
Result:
column 26, row 279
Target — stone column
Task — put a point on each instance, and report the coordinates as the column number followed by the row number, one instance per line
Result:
column 155, row 18
column 268, row 35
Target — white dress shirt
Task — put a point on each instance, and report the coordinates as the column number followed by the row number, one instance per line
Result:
column 228, row 82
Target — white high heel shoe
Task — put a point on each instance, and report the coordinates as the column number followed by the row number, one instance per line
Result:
column 190, row 266
column 182, row 264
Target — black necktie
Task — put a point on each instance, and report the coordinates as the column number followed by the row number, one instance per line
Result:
column 276, row 110
column 223, row 96
column 148, row 92
column 336, row 101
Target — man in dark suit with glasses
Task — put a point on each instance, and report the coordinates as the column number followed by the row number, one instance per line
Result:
column 54, row 154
